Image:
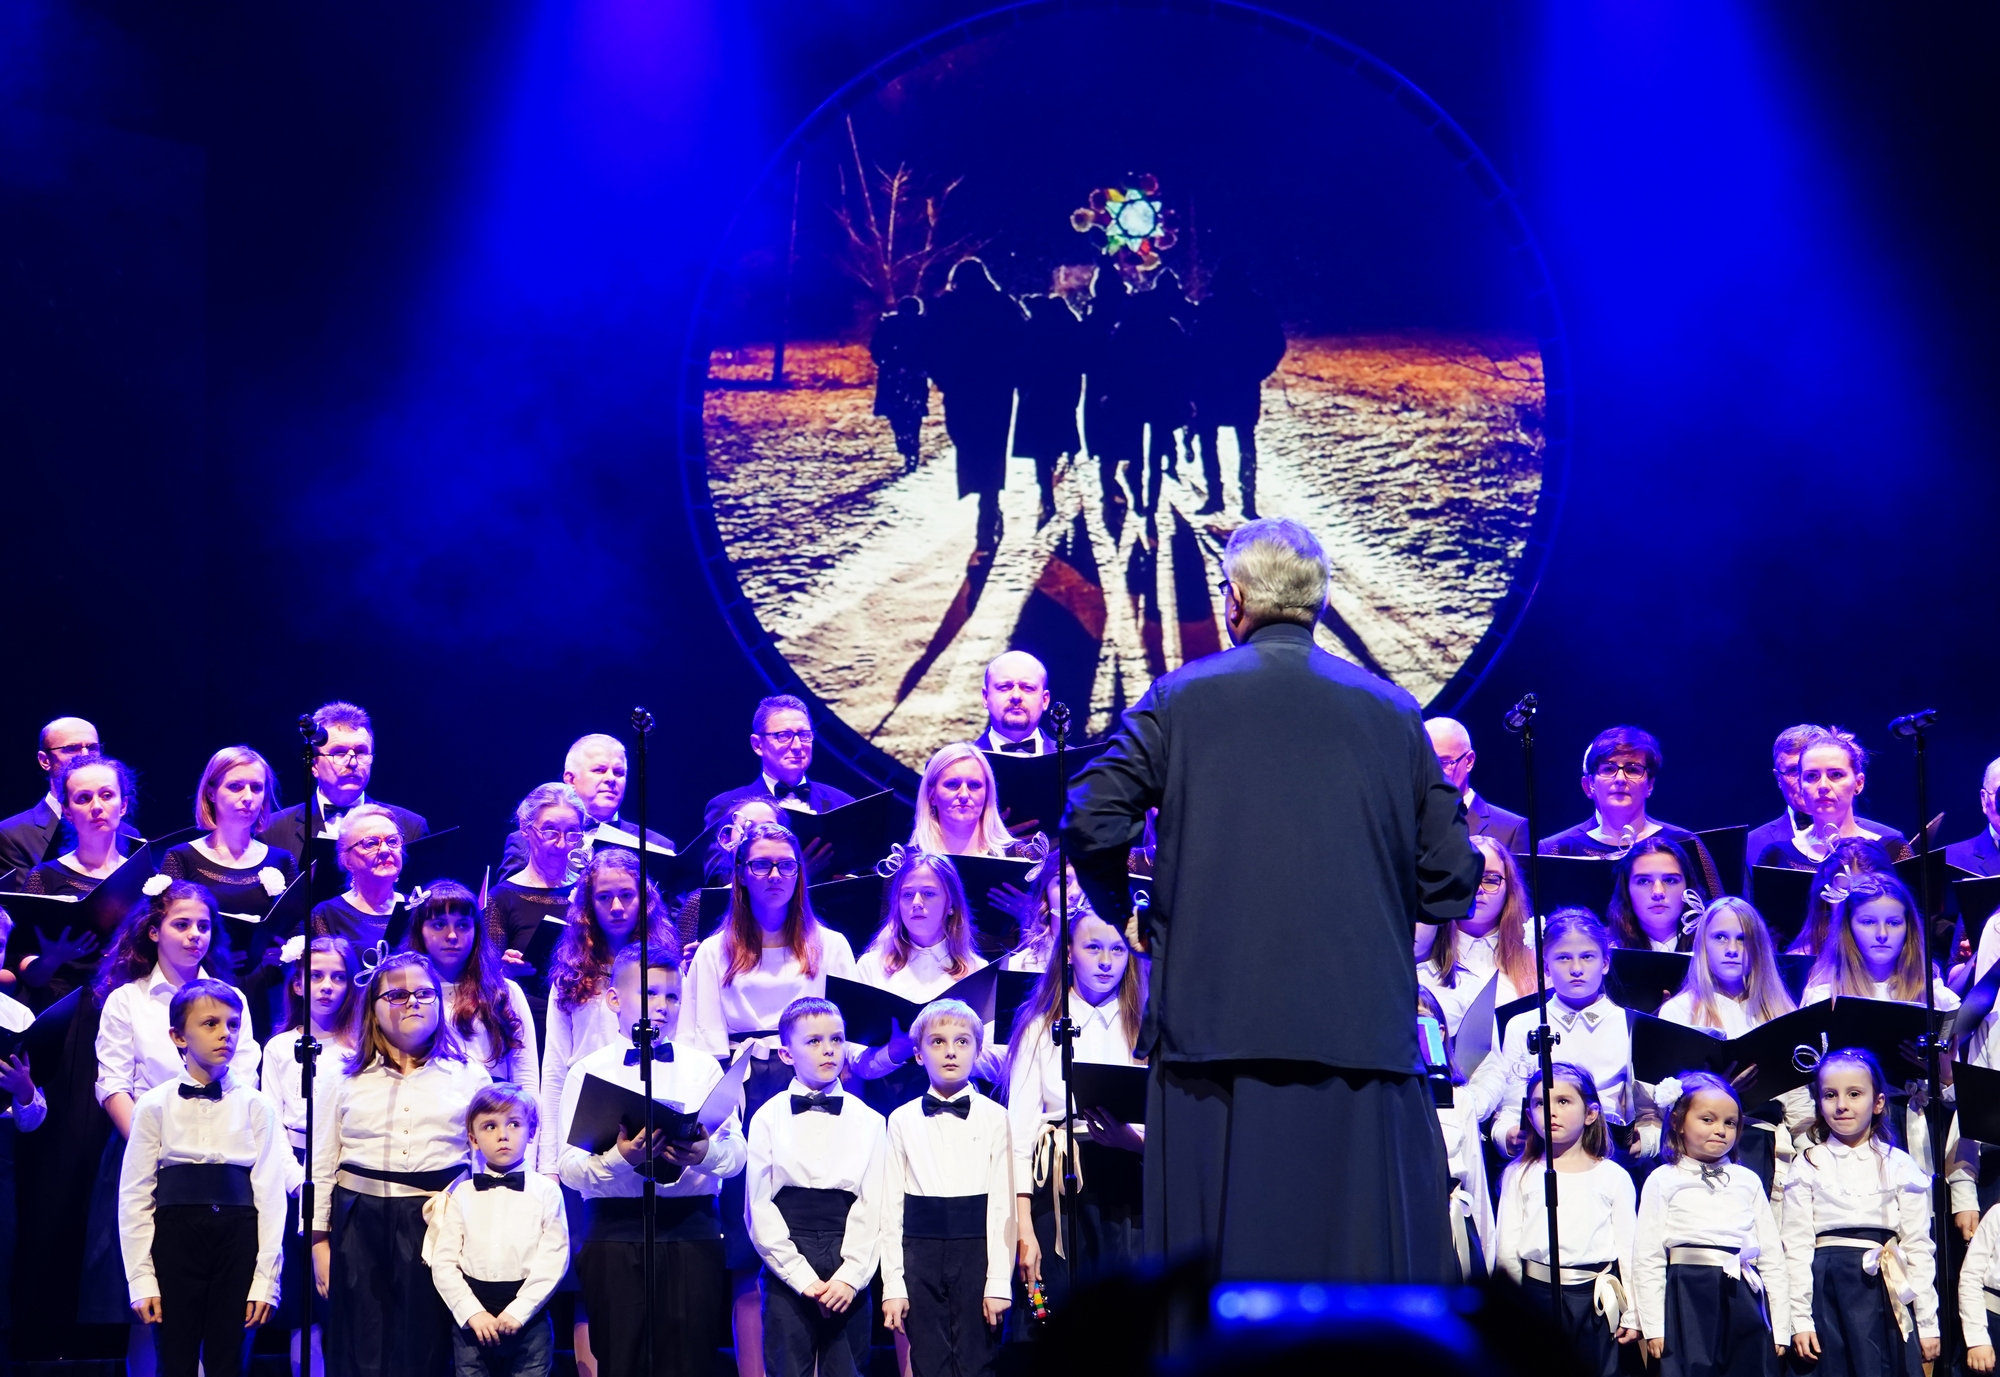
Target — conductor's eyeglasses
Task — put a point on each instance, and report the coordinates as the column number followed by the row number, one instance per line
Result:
column 764, row 867
column 400, row 998
column 796, row 736
column 1631, row 769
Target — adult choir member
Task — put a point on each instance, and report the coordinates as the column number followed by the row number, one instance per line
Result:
column 34, row 834
column 1620, row 768
column 1016, row 693
column 550, row 822
column 1980, row 853
column 958, row 807
column 596, row 768
column 1797, row 817
column 1280, row 930
column 98, row 797
column 781, row 737
column 370, row 849
column 1453, row 744
column 1830, row 773
column 342, row 768
column 233, row 802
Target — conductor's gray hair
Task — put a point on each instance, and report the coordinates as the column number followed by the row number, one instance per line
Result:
column 557, row 795
column 1278, row 571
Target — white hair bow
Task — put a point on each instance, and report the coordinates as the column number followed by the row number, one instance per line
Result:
column 293, row 950
column 892, row 862
column 156, row 885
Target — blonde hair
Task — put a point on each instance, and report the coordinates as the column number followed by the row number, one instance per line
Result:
column 1764, row 993
column 1840, row 967
column 892, row 940
column 992, row 837
column 220, row 764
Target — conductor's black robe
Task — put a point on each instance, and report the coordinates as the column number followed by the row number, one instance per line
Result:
column 1304, row 829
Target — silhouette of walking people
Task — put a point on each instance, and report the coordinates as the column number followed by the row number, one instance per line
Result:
column 1236, row 343
column 973, row 336
column 1051, row 381
column 902, row 387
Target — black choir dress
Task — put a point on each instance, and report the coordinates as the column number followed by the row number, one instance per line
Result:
column 50, row 877
column 338, row 918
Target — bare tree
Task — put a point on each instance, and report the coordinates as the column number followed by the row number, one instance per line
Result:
column 894, row 229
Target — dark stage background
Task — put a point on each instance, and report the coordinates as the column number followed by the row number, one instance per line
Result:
column 340, row 343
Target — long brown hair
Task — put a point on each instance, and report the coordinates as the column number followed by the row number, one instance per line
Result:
column 1764, row 993
column 371, row 1044
column 480, row 995
column 580, row 967
column 742, row 941
column 893, row 940
column 1038, row 1010
column 1619, row 914
column 134, row 951
column 298, row 1006
column 1840, row 966
column 1514, row 958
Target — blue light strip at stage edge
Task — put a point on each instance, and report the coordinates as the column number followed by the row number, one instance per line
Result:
column 1248, row 1306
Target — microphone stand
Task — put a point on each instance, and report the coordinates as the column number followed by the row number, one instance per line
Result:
column 311, row 737
column 1937, row 1117
column 1063, row 1027
column 643, row 1030
column 1542, row 1039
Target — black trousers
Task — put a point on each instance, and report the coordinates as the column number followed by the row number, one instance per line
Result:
column 1224, row 1146
column 798, row 1338
column 385, row 1317
column 947, row 1326
column 204, row 1257
column 690, row 1301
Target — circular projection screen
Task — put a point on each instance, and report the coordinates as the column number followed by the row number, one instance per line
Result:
column 1200, row 238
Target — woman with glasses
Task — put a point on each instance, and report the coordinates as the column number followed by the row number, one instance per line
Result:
column 551, row 820
column 1619, row 771
column 391, row 1134
column 369, row 846
column 770, row 951
column 1492, row 939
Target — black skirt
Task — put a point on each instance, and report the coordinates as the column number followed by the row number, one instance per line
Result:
column 1109, row 1214
column 1853, row 1319
column 1597, row 1346
column 385, row 1317
column 1715, row 1326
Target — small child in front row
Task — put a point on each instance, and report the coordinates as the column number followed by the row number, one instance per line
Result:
column 201, row 1194
column 813, row 1203
column 1595, row 1207
column 1854, row 1197
column 1708, row 1267
column 499, row 1243
column 948, row 1205
column 690, row 1276
column 1979, row 1292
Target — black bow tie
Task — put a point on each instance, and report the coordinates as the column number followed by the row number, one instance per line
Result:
column 663, row 1052
column 962, row 1106
column 211, row 1091
column 1018, row 747
column 801, row 791
column 818, row 1100
column 330, row 815
column 511, row 1181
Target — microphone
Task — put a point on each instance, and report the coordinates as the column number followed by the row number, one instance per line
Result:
column 311, row 732
column 1910, row 723
column 1520, row 714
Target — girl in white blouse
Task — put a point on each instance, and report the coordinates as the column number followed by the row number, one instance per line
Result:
column 1106, row 1001
column 1465, row 1153
column 1492, row 940
column 323, row 993
column 1596, row 1207
column 1857, row 1229
column 489, row 1012
column 389, row 1133
column 769, row 951
column 164, row 943
column 924, row 947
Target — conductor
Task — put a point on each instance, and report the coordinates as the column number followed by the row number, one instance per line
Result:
column 1304, row 829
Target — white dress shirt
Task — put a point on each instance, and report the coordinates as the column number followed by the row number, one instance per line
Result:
column 385, row 1120
column 135, row 1045
column 1035, row 1091
column 522, row 1064
column 1465, row 1159
column 686, row 1082
column 1733, row 1013
column 926, row 977
column 283, row 1076
column 1678, row 1208
column 816, row 1151
column 1874, row 1186
column 1980, row 1270
column 1598, row 1211
column 991, row 739
column 499, row 1235
column 1597, row 1037
column 573, row 1035
column 944, row 1155
column 713, row 1012
column 241, row 1129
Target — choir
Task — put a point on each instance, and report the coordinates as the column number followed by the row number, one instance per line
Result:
column 464, row 1173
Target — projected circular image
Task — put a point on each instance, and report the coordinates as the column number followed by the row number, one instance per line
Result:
column 1029, row 319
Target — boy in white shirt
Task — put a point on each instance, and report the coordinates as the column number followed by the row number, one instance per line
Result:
column 813, row 1203
column 948, row 1206
column 499, row 1243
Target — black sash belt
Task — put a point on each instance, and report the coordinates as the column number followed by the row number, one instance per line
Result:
column 202, row 1183
column 494, row 1296
column 944, row 1216
column 415, row 1180
column 809, row 1211
column 676, row 1219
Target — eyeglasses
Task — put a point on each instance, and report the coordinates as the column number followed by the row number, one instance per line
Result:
column 368, row 846
column 346, row 754
column 1450, row 762
column 1491, row 881
column 558, row 836
column 1631, row 769
column 1222, row 587
column 400, row 998
column 764, row 867
column 797, row 736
